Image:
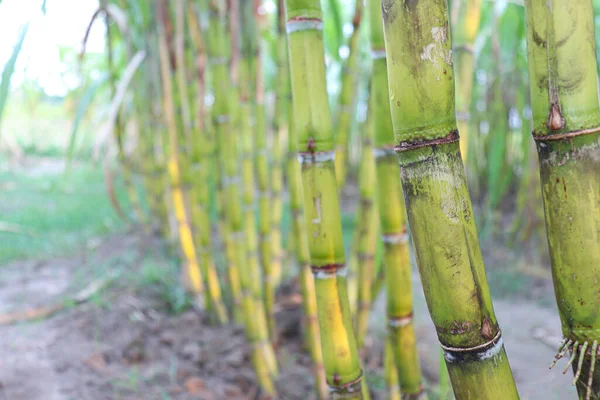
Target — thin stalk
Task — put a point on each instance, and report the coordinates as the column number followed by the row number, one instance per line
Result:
column 368, row 230
column 466, row 16
column 203, row 162
column 262, row 175
column 347, row 102
column 566, row 129
column 280, row 132
column 252, row 290
column 174, row 167
column 227, row 168
column 312, row 122
column 421, row 96
column 391, row 373
column 392, row 214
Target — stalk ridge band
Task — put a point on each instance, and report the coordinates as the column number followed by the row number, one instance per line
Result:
column 566, row 135
column 481, row 352
column 405, row 146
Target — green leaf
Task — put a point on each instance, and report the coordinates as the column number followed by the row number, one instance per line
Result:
column 9, row 68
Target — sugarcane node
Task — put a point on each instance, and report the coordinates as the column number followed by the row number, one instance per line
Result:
column 311, row 146
column 349, row 387
column 452, row 137
column 480, row 352
column 329, row 269
column 566, row 135
column 366, row 257
column 399, row 321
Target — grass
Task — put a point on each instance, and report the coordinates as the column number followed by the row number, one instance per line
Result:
column 59, row 214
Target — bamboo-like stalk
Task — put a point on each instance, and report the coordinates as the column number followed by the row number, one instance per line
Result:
column 202, row 159
column 280, row 131
column 421, row 96
column 347, row 100
column 392, row 214
column 309, row 299
column 174, row 167
column 566, row 128
column 227, row 168
column 466, row 16
column 252, row 292
column 262, row 175
column 391, row 373
column 367, row 234
column 312, row 122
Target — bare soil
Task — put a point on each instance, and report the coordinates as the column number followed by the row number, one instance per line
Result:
column 124, row 344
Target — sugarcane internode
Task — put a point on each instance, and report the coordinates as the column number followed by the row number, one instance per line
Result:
column 566, row 129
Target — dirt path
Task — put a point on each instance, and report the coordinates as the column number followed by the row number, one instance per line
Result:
column 123, row 344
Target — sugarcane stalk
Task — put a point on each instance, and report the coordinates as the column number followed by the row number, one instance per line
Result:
column 174, row 167
column 262, row 175
column 367, row 232
column 466, row 16
column 309, row 298
column 227, row 168
column 203, row 161
column 242, row 14
column 391, row 373
column 280, row 131
column 392, row 214
column 316, row 152
column 421, row 97
column 566, row 129
column 347, row 101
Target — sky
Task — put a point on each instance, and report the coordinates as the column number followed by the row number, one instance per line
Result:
column 63, row 25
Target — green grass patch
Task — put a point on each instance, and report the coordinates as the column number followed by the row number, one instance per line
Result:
column 57, row 214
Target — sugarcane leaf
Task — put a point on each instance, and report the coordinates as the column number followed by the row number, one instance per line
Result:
column 9, row 69
column 116, row 14
column 117, row 100
column 334, row 31
column 82, row 107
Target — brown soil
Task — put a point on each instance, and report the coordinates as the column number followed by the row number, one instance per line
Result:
column 124, row 344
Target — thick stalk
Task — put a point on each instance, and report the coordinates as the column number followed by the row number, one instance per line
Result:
column 174, row 167
column 309, row 299
column 262, row 175
column 347, row 102
column 466, row 16
column 392, row 214
column 367, row 234
column 421, row 95
column 566, row 128
column 312, row 122
column 202, row 162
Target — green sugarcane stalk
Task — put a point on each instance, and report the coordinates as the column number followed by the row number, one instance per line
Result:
column 280, row 131
column 391, row 373
column 466, row 17
column 202, row 162
column 367, row 232
column 566, row 128
column 227, row 168
column 347, row 102
column 252, row 290
column 421, row 96
column 174, row 161
column 316, row 151
column 309, row 298
column 262, row 175
column 392, row 214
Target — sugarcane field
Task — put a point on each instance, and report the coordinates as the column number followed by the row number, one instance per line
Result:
column 299, row 199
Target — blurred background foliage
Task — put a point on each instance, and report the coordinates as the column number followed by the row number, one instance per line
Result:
column 58, row 112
